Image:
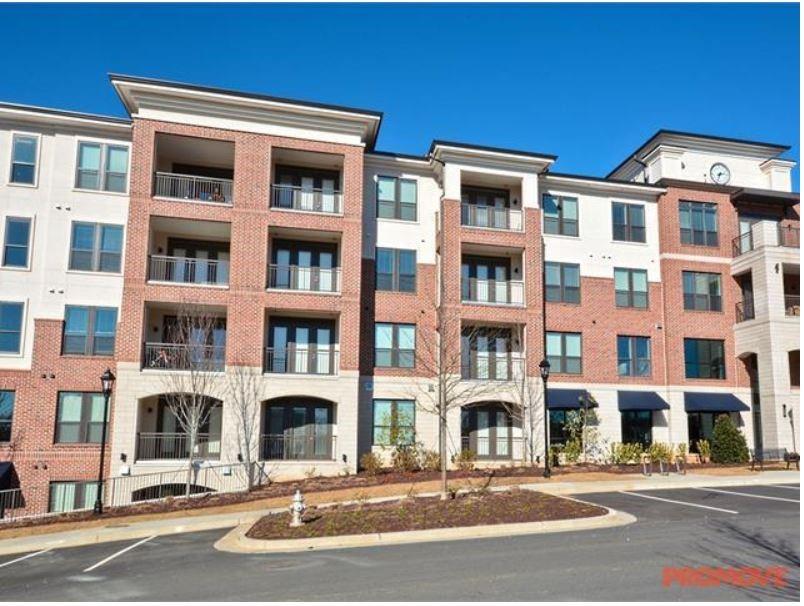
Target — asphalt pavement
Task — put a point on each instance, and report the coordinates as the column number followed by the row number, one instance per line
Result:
column 691, row 527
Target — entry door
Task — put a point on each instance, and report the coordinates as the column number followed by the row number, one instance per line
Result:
column 482, row 433
column 305, row 264
column 328, row 195
column 502, row 442
column 326, row 277
column 745, row 232
column 324, row 354
column 282, row 270
column 307, row 193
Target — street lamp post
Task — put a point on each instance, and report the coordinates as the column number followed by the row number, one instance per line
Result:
column 544, row 370
column 107, row 381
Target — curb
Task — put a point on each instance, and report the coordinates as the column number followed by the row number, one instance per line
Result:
column 236, row 541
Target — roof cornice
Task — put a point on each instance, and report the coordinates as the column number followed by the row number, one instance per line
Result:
column 50, row 116
column 603, row 184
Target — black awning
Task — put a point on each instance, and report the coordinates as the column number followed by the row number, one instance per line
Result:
column 641, row 400
column 749, row 195
column 568, row 398
column 701, row 401
column 6, row 475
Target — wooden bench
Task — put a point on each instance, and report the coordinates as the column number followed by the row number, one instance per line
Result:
column 773, row 454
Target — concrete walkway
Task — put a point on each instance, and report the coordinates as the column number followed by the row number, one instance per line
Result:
column 119, row 530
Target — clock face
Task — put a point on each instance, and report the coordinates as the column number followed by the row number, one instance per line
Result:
column 720, row 173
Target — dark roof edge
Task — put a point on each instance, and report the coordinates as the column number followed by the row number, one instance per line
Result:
column 388, row 154
column 681, row 133
column 63, row 112
column 604, row 180
column 239, row 93
column 501, row 150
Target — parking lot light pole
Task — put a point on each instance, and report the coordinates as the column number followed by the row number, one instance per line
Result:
column 544, row 370
column 107, row 382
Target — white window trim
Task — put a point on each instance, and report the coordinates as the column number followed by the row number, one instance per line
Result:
column 38, row 137
column 104, row 143
column 23, row 326
column 31, row 231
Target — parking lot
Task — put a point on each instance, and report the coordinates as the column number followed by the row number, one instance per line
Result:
column 739, row 526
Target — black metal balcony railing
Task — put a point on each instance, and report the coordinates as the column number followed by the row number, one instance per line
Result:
column 293, row 197
column 313, row 279
column 492, row 448
column 742, row 244
column 185, row 270
column 319, row 445
column 179, row 356
column 192, row 187
column 159, row 445
column 792, row 305
column 491, row 217
column 744, row 310
column 492, row 366
column 789, row 236
column 498, row 292
column 300, row 359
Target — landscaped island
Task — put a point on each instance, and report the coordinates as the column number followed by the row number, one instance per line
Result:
column 422, row 513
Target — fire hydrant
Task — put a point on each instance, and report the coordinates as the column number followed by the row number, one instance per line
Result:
column 297, row 508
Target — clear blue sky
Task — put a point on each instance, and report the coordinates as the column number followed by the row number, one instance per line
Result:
column 588, row 83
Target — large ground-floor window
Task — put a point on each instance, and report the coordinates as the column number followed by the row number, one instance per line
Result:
column 487, row 430
column 558, row 427
column 69, row 496
column 700, row 426
column 637, row 427
column 297, row 428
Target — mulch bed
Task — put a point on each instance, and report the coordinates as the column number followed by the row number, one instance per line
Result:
column 322, row 484
column 420, row 513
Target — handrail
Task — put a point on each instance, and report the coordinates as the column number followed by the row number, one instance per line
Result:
column 501, row 292
column 309, row 359
column 491, row 217
column 188, row 270
column 193, row 187
column 295, row 277
column 181, row 356
column 294, row 197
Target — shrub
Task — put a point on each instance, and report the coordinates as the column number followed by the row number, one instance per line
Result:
column 704, row 451
column 555, row 453
column 626, row 453
column 681, row 451
column 430, row 460
column 405, row 459
column 660, row 452
column 728, row 442
column 371, row 463
column 572, row 450
column 464, row 460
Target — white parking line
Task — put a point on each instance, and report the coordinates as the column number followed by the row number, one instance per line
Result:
column 25, row 557
column 119, row 553
column 644, row 496
column 783, row 486
column 745, row 494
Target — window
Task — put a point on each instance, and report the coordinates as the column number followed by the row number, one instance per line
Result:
column 698, row 221
column 628, row 221
column 564, row 352
column 394, row 345
column 631, row 287
column 102, row 167
column 394, row 422
column 16, row 246
column 700, row 426
column 396, row 270
column 396, row 198
column 6, row 414
column 89, row 331
column 704, row 359
column 633, row 356
column 702, row 291
column 10, row 327
column 637, row 427
column 793, row 360
column 96, row 247
column 562, row 282
column 560, row 215
column 558, row 427
column 23, row 159
column 297, row 428
column 70, row 496
column 79, row 418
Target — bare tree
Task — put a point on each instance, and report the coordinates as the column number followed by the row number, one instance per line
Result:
column 194, row 362
column 454, row 377
column 243, row 395
column 529, row 398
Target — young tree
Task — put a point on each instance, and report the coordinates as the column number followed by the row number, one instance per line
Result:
column 728, row 442
column 529, row 398
column 243, row 396
column 194, row 364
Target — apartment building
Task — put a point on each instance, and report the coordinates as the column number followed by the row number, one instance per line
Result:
column 220, row 239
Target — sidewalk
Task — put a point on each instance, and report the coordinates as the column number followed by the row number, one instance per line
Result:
column 121, row 529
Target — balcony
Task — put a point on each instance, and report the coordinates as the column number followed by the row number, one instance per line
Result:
column 493, row 292
column 489, row 217
column 312, row 200
column 298, row 446
column 492, row 366
column 792, row 305
column 166, row 446
column 185, row 270
column 193, row 169
column 310, row 279
column 180, row 356
column 302, row 359
column 744, row 310
column 766, row 233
